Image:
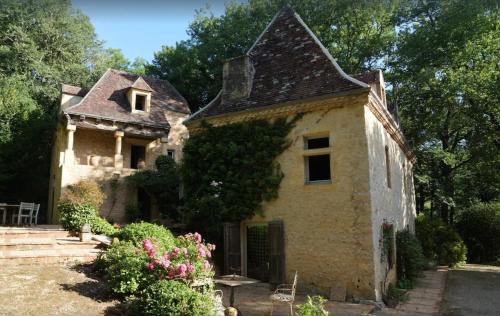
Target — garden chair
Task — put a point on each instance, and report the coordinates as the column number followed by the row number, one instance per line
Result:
column 285, row 294
column 25, row 211
column 3, row 209
column 34, row 215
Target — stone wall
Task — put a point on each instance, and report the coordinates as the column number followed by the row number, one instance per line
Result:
column 328, row 229
column 394, row 204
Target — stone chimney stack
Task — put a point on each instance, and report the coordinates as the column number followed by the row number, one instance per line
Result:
column 237, row 77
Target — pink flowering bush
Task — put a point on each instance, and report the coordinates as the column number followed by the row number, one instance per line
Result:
column 188, row 260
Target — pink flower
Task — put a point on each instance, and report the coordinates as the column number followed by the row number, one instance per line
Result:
column 171, row 272
column 211, row 247
column 175, row 252
column 181, row 269
column 206, row 265
column 191, row 268
column 150, row 266
column 166, row 255
column 201, row 251
column 149, row 248
column 197, row 238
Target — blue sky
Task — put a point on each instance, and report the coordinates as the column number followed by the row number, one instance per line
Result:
column 141, row 27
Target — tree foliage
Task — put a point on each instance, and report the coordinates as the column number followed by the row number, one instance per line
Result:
column 444, row 75
column 42, row 44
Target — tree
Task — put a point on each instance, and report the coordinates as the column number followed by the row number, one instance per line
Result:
column 42, row 44
column 359, row 34
column 444, row 75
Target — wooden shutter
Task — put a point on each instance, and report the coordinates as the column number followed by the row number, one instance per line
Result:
column 276, row 253
column 232, row 249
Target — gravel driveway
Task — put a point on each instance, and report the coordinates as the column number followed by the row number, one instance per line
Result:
column 473, row 290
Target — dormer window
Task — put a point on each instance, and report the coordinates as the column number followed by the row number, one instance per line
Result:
column 139, row 96
column 140, row 102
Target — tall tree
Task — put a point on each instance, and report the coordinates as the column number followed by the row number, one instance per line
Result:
column 358, row 33
column 445, row 79
column 42, row 44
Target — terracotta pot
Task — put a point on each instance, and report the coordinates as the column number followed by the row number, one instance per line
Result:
column 94, row 160
column 141, row 164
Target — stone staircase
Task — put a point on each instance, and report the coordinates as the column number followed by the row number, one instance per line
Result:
column 43, row 244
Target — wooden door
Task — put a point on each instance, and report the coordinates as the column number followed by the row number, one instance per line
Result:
column 232, row 248
column 276, row 253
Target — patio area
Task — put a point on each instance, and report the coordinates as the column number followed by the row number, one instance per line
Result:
column 254, row 300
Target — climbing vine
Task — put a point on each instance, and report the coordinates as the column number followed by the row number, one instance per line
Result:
column 228, row 171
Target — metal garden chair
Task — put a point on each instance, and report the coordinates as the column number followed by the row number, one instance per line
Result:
column 285, row 294
column 34, row 214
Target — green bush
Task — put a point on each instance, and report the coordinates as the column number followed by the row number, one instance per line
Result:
column 73, row 216
column 137, row 232
column 313, row 307
column 479, row 226
column 410, row 259
column 440, row 242
column 100, row 225
column 125, row 268
column 174, row 298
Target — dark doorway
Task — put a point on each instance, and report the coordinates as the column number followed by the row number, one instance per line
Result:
column 144, row 204
column 258, row 252
column 137, row 156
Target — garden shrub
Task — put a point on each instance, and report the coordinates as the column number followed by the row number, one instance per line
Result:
column 409, row 256
column 165, row 297
column 440, row 242
column 313, row 307
column 84, row 192
column 125, row 268
column 137, row 232
column 479, row 226
column 79, row 205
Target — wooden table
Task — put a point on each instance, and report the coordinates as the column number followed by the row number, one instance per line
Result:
column 232, row 281
column 4, row 208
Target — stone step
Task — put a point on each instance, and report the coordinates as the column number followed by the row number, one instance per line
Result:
column 47, row 255
column 6, row 234
column 46, row 260
column 45, row 243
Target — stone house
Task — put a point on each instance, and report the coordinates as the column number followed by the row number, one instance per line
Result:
column 347, row 172
column 123, row 123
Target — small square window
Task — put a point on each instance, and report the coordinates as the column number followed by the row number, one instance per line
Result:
column 318, row 168
column 140, row 102
column 315, row 143
column 171, row 153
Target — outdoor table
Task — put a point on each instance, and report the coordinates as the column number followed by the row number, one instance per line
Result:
column 6, row 207
column 232, row 281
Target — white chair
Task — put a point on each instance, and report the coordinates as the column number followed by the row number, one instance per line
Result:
column 285, row 294
column 34, row 214
column 3, row 209
column 25, row 211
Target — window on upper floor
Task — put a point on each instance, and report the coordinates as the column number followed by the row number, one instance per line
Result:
column 317, row 159
column 140, row 102
column 388, row 167
column 171, row 153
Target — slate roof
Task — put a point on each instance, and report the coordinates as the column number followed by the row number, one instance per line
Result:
column 73, row 90
column 290, row 64
column 108, row 99
column 141, row 85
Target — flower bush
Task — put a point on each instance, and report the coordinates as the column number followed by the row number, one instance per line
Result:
column 137, row 232
column 188, row 260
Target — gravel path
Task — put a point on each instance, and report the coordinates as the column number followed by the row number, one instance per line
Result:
column 473, row 290
column 52, row 290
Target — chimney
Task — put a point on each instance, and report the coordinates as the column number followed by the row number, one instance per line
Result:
column 237, row 77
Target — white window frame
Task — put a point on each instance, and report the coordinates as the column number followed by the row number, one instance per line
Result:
column 317, row 152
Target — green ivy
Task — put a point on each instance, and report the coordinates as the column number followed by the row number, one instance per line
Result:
column 228, row 171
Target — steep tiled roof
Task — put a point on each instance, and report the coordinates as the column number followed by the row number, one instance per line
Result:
column 73, row 90
column 108, row 99
column 369, row 77
column 289, row 64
